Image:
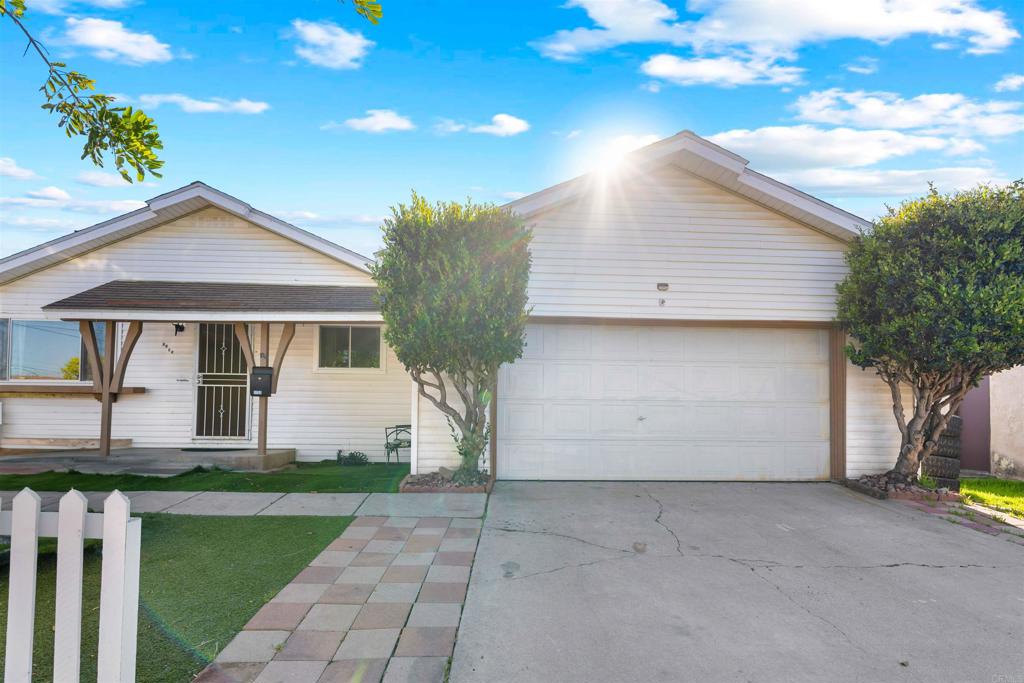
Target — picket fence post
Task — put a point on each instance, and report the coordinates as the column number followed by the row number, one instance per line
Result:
column 21, row 598
column 119, row 587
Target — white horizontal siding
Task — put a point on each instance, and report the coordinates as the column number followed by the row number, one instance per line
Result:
column 317, row 413
column 434, row 444
column 872, row 437
column 723, row 256
column 207, row 246
column 320, row 412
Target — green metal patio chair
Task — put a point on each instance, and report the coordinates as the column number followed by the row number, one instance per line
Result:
column 396, row 438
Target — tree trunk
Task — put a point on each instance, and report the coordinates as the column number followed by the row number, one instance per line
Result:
column 933, row 407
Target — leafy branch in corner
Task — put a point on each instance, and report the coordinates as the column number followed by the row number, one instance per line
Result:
column 124, row 132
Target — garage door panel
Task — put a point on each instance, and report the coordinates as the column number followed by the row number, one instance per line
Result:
column 614, row 343
column 806, row 422
column 759, row 382
column 661, row 421
column 711, row 344
column 658, row 402
column 711, row 383
column 526, row 380
column 616, row 419
column 522, row 419
column 567, row 341
column 661, row 382
column 804, row 383
column 806, row 346
column 567, row 419
column 663, row 343
column 616, row 381
column 760, row 422
column 567, row 380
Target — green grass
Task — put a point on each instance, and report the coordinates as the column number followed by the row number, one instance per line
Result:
column 202, row 579
column 999, row 494
column 322, row 477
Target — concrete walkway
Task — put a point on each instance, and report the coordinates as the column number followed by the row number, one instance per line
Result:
column 223, row 503
column 383, row 601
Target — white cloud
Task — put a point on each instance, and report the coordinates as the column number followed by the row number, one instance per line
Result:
column 503, row 125
column 375, row 121
column 9, row 169
column 804, row 146
column 512, row 196
column 56, row 198
column 37, row 224
column 448, row 126
column 938, row 113
column 50, row 193
column 111, row 41
column 329, row 45
column 1010, row 83
column 863, row 66
column 101, row 179
column 61, row 6
column 771, row 30
column 190, row 105
column 844, row 182
column 726, row 72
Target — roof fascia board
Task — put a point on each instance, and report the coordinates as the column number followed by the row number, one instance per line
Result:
column 153, row 315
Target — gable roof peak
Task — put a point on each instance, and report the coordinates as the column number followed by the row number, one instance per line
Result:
column 716, row 164
column 159, row 210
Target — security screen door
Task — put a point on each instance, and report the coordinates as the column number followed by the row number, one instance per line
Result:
column 222, row 384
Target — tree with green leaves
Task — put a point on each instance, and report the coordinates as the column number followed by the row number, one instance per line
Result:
column 126, row 133
column 934, row 302
column 452, row 287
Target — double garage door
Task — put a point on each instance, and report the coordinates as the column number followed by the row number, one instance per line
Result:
column 665, row 402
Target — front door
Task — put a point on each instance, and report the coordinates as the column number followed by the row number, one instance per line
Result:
column 222, row 384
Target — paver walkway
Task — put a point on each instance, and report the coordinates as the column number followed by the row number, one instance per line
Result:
column 382, row 602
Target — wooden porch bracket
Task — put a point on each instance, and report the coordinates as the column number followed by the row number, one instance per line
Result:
column 242, row 334
column 263, row 360
column 287, row 334
column 130, row 340
column 108, row 371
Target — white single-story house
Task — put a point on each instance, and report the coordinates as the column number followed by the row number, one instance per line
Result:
column 681, row 328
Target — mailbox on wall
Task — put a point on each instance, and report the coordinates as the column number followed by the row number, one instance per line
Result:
column 261, row 379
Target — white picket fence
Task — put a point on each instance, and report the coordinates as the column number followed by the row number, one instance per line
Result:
column 25, row 523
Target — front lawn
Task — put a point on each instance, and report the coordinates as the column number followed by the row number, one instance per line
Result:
column 322, row 477
column 202, row 579
column 1004, row 495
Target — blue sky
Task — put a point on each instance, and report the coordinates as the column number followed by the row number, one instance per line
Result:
column 307, row 111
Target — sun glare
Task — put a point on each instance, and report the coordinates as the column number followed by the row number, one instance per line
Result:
column 610, row 156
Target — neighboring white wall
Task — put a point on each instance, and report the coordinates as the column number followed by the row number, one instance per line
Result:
column 1006, row 409
column 722, row 256
column 317, row 413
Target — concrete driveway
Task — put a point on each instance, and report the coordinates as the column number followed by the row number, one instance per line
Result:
column 734, row 582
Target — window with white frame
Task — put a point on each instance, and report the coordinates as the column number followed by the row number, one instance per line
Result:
column 349, row 347
column 44, row 350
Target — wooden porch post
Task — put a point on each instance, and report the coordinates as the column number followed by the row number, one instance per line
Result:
column 106, row 396
column 261, row 445
column 107, row 370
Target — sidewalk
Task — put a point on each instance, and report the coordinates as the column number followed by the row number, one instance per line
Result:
column 458, row 505
column 382, row 602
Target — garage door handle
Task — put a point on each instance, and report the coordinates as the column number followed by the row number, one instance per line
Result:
column 641, row 418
